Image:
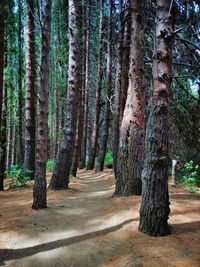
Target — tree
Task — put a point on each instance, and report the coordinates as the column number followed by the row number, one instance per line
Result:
column 29, row 152
column 131, row 144
column 83, row 151
column 39, row 189
column 154, row 210
column 60, row 177
column 105, row 131
column 2, row 159
column 95, row 133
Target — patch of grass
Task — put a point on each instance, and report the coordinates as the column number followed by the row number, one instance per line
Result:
column 50, row 165
column 108, row 163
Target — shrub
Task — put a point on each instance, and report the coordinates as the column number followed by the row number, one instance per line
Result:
column 19, row 176
column 191, row 177
column 108, row 160
column 50, row 165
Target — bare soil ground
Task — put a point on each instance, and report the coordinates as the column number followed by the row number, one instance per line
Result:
column 86, row 227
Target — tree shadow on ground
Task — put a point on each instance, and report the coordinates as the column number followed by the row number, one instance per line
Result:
column 13, row 254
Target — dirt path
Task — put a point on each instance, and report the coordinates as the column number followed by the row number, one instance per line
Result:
column 85, row 227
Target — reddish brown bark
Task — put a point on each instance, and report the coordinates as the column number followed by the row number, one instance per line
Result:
column 39, row 189
column 2, row 16
column 131, row 146
column 60, row 178
column 105, row 131
column 95, row 133
column 154, row 210
column 29, row 152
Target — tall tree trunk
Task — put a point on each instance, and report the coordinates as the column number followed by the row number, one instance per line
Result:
column 131, row 144
column 20, row 98
column 39, row 189
column 29, row 152
column 60, row 178
column 82, row 163
column 56, row 100
column 125, row 59
column 103, row 146
column 2, row 139
column 2, row 17
column 95, row 133
column 116, row 111
column 154, row 209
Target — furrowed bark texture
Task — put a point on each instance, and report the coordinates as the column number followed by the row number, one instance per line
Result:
column 2, row 130
column 29, row 152
column 82, row 163
column 131, row 144
column 105, row 132
column 95, row 133
column 154, row 209
column 20, row 152
column 39, row 189
column 116, row 111
column 60, row 178
column 3, row 142
column 2, row 15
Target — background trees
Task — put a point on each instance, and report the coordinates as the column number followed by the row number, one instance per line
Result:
column 93, row 87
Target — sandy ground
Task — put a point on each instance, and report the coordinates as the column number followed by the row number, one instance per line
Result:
column 86, row 227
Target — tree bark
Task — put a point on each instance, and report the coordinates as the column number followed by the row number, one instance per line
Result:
column 2, row 130
column 105, row 132
column 116, row 111
column 60, row 178
column 20, row 158
column 95, row 133
column 39, row 189
column 29, row 152
column 131, row 145
column 2, row 17
column 82, row 163
column 154, row 210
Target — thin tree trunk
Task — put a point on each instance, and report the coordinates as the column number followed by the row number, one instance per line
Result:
column 60, row 178
column 82, row 163
column 39, row 189
column 29, row 152
column 20, row 98
column 3, row 141
column 103, row 145
column 154, row 210
column 2, row 15
column 116, row 113
column 95, row 133
column 2, row 130
column 131, row 145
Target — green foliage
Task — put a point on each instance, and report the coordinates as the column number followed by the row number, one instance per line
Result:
column 18, row 176
column 191, row 177
column 50, row 165
column 108, row 160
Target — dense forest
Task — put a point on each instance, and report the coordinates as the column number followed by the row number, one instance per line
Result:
column 94, row 87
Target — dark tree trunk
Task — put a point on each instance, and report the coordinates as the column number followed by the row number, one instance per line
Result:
column 2, row 118
column 39, row 189
column 105, row 132
column 154, row 209
column 20, row 97
column 2, row 15
column 95, row 133
column 29, row 152
column 82, row 163
column 60, row 178
column 131, row 144
column 116, row 111
column 125, row 59
column 3, row 141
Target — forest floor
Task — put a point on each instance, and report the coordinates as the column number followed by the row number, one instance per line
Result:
column 86, row 227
